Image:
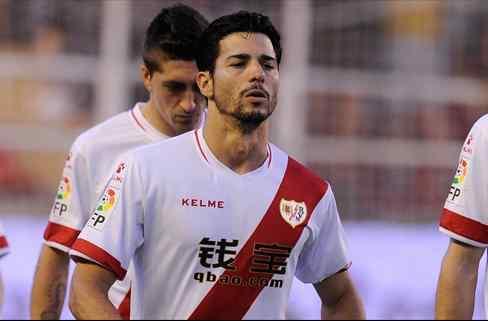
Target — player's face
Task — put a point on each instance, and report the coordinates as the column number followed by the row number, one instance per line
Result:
column 246, row 77
column 176, row 96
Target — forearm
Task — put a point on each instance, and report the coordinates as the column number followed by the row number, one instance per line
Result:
column 89, row 293
column 348, row 307
column 455, row 291
column 49, row 287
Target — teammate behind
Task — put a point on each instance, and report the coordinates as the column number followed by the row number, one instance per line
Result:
column 218, row 221
column 174, row 107
column 465, row 221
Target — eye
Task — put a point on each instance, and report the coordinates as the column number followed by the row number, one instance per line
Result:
column 175, row 87
column 238, row 64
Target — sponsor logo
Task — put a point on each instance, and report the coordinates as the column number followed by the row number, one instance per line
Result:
column 294, row 213
column 461, row 172
column 468, row 145
column 108, row 200
column 457, row 184
column 196, row 202
column 64, row 190
column 63, row 196
column 267, row 259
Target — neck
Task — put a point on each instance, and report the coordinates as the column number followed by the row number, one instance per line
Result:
column 241, row 150
column 151, row 114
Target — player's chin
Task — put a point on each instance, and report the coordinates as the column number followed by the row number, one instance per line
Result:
column 184, row 126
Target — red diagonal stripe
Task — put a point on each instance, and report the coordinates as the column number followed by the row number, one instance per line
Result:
column 464, row 226
column 3, row 242
column 232, row 302
column 60, row 234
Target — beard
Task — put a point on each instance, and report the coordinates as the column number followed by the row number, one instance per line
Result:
column 246, row 120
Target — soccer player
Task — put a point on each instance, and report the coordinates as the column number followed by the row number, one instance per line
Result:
column 174, row 107
column 217, row 221
column 465, row 220
column 4, row 250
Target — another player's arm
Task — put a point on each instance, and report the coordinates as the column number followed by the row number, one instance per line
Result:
column 457, row 281
column 340, row 300
column 49, row 287
column 88, row 294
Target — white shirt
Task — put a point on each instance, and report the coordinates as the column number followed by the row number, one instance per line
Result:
column 465, row 214
column 209, row 243
column 4, row 247
column 88, row 167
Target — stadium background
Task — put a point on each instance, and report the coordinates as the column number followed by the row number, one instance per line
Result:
column 376, row 96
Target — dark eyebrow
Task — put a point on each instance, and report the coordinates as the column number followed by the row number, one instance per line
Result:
column 267, row 58
column 238, row 56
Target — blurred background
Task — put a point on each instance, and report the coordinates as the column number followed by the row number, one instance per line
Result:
column 376, row 96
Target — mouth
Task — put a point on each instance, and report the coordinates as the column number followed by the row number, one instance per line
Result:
column 256, row 94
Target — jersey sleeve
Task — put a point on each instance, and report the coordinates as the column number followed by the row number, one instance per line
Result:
column 115, row 229
column 465, row 213
column 70, row 210
column 325, row 253
column 4, row 246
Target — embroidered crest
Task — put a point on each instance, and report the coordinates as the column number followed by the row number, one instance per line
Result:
column 294, row 213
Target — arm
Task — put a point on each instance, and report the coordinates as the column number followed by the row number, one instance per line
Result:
column 49, row 287
column 457, row 282
column 88, row 295
column 340, row 300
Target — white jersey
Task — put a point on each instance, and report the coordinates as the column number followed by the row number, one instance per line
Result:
column 465, row 214
column 4, row 247
column 207, row 243
column 90, row 161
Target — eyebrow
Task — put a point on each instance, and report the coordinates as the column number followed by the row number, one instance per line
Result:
column 246, row 56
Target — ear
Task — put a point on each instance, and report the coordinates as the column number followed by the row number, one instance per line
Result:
column 146, row 77
column 205, row 83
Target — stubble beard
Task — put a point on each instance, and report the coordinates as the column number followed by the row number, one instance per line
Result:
column 247, row 121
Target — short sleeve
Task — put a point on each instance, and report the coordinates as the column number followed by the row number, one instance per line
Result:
column 4, row 246
column 115, row 229
column 465, row 213
column 70, row 210
column 325, row 253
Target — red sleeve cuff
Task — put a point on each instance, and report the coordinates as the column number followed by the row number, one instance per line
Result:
column 464, row 226
column 99, row 256
column 60, row 234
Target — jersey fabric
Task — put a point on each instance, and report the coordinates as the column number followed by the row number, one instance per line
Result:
column 465, row 213
column 87, row 169
column 4, row 247
column 207, row 243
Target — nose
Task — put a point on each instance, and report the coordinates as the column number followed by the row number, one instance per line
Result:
column 256, row 71
column 188, row 102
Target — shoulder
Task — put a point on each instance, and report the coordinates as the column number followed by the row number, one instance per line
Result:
column 170, row 148
column 102, row 132
column 300, row 175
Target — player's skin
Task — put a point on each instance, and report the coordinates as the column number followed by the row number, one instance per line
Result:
column 242, row 94
column 174, row 107
column 457, row 282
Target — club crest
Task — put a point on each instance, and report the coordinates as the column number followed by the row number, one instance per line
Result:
column 294, row 213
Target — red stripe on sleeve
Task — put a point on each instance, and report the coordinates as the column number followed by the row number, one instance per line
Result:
column 232, row 302
column 124, row 307
column 464, row 226
column 101, row 256
column 3, row 242
column 60, row 234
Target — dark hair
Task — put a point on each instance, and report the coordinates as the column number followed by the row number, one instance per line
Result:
column 173, row 33
column 242, row 21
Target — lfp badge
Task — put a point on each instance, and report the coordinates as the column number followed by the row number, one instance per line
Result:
column 294, row 213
